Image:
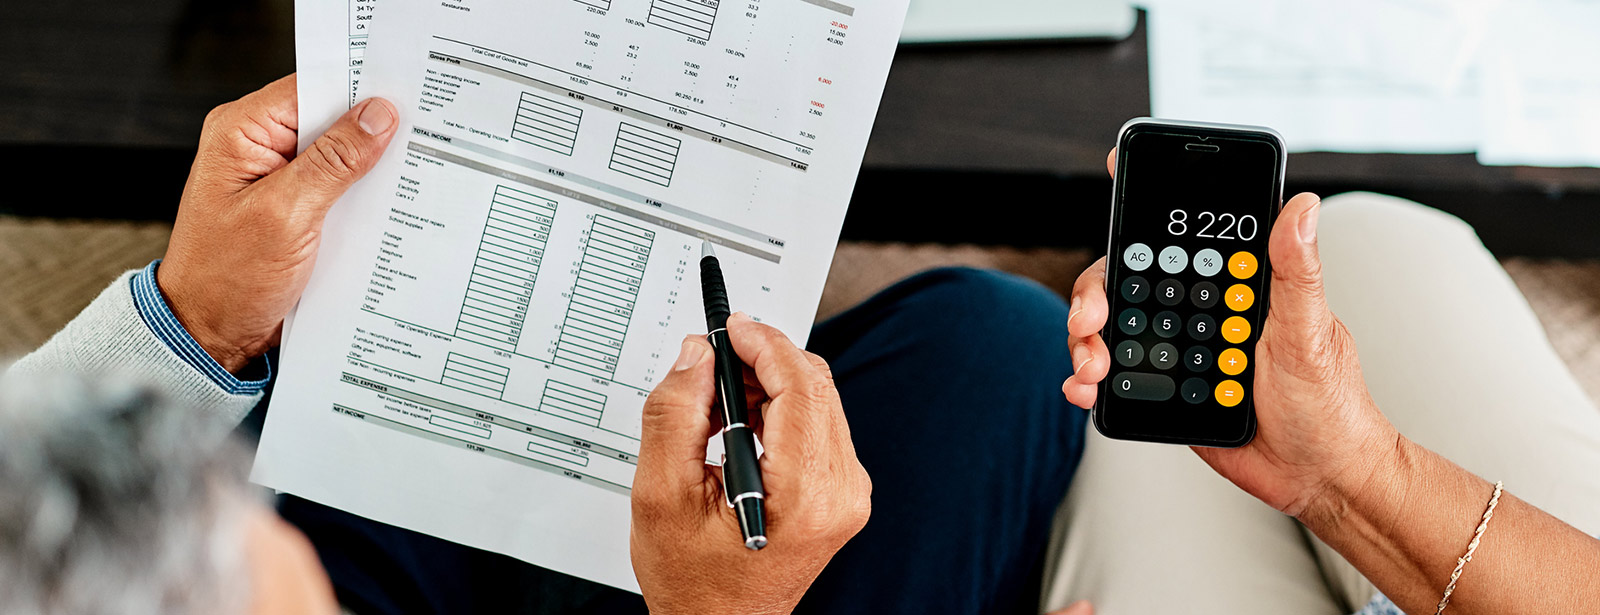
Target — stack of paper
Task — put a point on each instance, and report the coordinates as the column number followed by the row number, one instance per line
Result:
column 1518, row 82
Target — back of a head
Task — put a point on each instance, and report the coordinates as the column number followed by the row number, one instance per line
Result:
column 113, row 500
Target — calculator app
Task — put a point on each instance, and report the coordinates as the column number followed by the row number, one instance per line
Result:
column 1187, row 283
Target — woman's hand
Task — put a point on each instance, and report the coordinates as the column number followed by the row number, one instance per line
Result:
column 686, row 548
column 1316, row 424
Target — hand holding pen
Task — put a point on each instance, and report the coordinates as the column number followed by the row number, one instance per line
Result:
column 687, row 546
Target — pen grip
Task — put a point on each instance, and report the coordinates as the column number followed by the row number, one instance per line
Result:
column 714, row 291
column 740, row 472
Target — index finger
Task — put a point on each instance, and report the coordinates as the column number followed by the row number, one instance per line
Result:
column 1089, row 307
column 780, row 366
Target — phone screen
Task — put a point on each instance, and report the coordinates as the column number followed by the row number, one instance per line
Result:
column 1187, row 282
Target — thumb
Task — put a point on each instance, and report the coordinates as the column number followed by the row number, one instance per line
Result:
column 677, row 421
column 331, row 164
column 1298, row 303
column 1081, row 607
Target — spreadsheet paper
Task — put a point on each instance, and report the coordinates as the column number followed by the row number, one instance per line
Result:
column 495, row 300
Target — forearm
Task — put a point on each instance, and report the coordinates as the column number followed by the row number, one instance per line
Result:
column 1405, row 524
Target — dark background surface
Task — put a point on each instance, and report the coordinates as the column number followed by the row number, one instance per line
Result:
column 101, row 102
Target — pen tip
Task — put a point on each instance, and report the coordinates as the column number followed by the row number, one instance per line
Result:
column 705, row 249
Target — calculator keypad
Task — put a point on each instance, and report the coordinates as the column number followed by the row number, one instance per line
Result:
column 1204, row 329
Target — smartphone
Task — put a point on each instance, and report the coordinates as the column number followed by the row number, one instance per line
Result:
column 1187, row 280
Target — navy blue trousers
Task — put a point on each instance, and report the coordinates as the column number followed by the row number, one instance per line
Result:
column 951, row 383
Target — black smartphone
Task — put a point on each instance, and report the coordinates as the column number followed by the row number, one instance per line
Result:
column 1187, row 280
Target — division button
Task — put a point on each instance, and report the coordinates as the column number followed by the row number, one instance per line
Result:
column 1169, row 292
column 1129, row 353
column 1196, row 390
column 1167, row 324
column 1202, row 327
column 1229, row 393
column 1197, row 358
column 1232, row 361
column 1132, row 321
column 1204, row 295
column 1135, row 289
column 1174, row 259
column 1235, row 329
column 1240, row 297
column 1207, row 262
column 1148, row 387
column 1137, row 257
column 1164, row 355
column 1242, row 265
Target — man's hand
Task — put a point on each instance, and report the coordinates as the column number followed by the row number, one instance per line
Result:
column 251, row 216
column 686, row 547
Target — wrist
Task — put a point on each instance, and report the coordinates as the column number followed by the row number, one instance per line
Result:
column 202, row 324
column 1378, row 473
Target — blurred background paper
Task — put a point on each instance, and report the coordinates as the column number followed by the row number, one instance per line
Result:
column 1347, row 76
column 1542, row 85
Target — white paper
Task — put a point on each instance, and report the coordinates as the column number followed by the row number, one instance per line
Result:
column 1349, row 76
column 493, row 302
column 330, row 49
column 1542, row 85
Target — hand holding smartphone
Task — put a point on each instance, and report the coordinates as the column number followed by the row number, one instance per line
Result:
column 1187, row 280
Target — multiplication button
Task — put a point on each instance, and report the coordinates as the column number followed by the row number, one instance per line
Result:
column 1174, row 259
column 1147, row 387
column 1240, row 297
column 1137, row 257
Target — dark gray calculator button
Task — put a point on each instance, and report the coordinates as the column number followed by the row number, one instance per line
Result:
column 1132, row 321
column 1135, row 289
column 1202, row 327
column 1130, row 353
column 1169, row 292
column 1204, row 295
column 1196, row 390
column 1198, row 358
column 1148, row 387
column 1167, row 324
column 1164, row 355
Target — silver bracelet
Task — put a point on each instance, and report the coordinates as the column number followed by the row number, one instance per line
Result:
column 1477, row 536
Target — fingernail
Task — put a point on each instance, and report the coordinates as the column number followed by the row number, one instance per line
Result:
column 1080, row 351
column 1308, row 222
column 375, row 118
column 1072, row 312
column 739, row 315
column 690, row 356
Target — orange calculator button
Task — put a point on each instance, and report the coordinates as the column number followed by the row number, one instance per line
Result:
column 1232, row 361
column 1240, row 297
column 1242, row 265
column 1236, row 330
column 1229, row 393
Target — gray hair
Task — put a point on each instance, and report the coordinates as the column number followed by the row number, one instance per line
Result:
column 114, row 500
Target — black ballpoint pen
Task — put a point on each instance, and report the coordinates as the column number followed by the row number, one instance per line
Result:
column 741, row 471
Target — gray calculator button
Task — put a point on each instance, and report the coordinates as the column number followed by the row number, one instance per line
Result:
column 1169, row 292
column 1173, row 259
column 1148, row 387
column 1132, row 321
column 1207, row 262
column 1198, row 358
column 1202, row 327
column 1138, row 257
column 1129, row 353
column 1164, row 355
column 1204, row 295
column 1135, row 289
column 1196, row 391
column 1167, row 324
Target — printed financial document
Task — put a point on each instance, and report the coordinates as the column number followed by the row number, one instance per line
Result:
column 493, row 303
